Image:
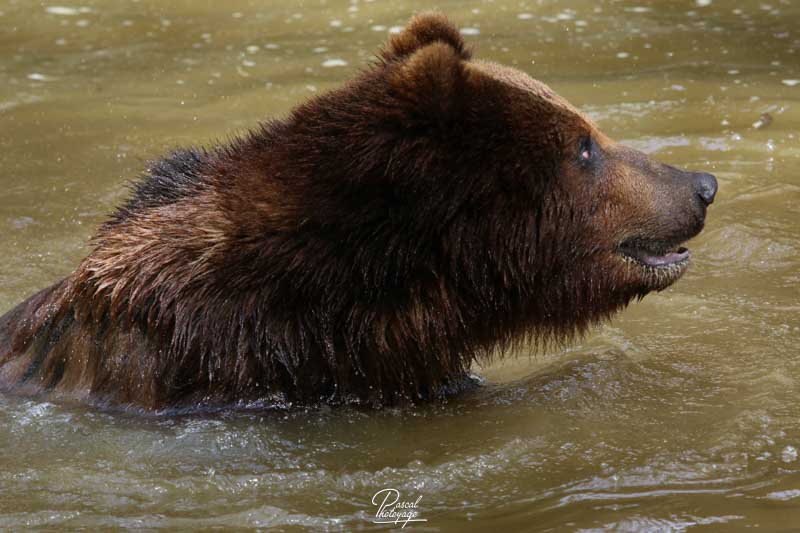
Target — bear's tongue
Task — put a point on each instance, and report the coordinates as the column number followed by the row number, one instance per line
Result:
column 663, row 260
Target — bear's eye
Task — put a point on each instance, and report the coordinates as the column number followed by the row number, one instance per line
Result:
column 586, row 150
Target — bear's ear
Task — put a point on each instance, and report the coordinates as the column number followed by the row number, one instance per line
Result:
column 424, row 29
column 431, row 83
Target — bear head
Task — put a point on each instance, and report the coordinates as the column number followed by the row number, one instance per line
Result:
column 493, row 189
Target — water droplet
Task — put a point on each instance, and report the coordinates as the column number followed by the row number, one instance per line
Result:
column 62, row 10
column 790, row 83
column 789, row 454
column 470, row 31
column 330, row 63
column 37, row 76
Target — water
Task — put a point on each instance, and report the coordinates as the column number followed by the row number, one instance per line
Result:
column 681, row 413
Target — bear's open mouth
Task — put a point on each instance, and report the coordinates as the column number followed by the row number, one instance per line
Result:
column 654, row 254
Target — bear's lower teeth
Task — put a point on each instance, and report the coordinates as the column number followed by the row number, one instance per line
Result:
column 658, row 277
column 663, row 258
column 666, row 266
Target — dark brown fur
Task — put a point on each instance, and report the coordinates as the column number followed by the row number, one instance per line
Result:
column 369, row 248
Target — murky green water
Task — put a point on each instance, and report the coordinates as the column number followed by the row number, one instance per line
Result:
column 682, row 413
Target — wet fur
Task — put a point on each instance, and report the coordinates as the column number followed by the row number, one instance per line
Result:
column 369, row 248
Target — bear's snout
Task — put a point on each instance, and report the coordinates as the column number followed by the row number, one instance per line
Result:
column 705, row 185
column 681, row 200
column 664, row 207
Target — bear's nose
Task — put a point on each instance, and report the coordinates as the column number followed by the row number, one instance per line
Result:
column 705, row 185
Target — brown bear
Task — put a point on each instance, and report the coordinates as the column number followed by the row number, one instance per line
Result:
column 367, row 249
